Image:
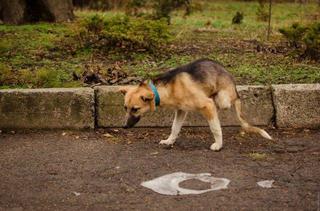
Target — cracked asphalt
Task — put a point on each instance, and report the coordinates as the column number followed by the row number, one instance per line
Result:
column 103, row 169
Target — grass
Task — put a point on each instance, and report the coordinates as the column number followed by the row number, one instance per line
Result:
column 257, row 156
column 31, row 55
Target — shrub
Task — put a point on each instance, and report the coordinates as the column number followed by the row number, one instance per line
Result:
column 127, row 33
column 294, row 34
column 306, row 38
column 197, row 6
column 26, row 78
column 134, row 6
column 7, row 75
column 163, row 8
column 262, row 13
column 32, row 79
column 100, row 4
column 94, row 23
column 237, row 18
column 312, row 41
column 51, row 78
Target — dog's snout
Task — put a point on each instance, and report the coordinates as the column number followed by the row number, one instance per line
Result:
column 131, row 121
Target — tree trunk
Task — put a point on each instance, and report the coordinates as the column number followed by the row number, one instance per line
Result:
column 24, row 11
column 12, row 11
column 61, row 10
column 269, row 20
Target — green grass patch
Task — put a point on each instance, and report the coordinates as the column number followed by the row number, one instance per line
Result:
column 47, row 55
column 257, row 156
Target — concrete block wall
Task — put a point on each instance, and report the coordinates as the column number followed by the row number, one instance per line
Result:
column 296, row 106
column 47, row 108
column 257, row 107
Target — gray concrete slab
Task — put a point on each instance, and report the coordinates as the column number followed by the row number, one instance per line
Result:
column 257, row 108
column 297, row 105
column 47, row 108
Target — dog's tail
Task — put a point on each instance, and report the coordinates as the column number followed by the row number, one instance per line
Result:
column 245, row 125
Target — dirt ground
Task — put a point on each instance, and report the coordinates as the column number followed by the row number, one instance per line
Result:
column 48, row 170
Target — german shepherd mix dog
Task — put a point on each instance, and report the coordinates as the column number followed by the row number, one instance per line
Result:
column 203, row 85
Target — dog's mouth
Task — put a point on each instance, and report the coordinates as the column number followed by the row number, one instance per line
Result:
column 131, row 121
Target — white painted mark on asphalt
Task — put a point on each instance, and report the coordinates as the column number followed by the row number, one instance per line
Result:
column 76, row 193
column 266, row 183
column 169, row 184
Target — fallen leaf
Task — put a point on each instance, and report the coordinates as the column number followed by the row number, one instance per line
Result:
column 108, row 135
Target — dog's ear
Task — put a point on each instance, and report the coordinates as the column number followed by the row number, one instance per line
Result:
column 143, row 84
column 148, row 98
column 124, row 89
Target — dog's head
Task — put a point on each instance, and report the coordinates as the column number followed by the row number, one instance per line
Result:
column 137, row 101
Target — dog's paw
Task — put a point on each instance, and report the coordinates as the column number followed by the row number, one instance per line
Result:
column 167, row 142
column 215, row 147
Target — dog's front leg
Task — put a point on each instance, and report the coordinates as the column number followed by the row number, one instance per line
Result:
column 176, row 127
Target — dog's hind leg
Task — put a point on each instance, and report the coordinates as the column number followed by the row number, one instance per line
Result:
column 176, row 127
column 209, row 111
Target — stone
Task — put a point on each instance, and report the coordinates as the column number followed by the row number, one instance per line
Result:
column 297, row 105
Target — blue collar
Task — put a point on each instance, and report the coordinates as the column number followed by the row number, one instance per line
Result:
column 155, row 92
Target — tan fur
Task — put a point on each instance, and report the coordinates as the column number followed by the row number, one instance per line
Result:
column 186, row 94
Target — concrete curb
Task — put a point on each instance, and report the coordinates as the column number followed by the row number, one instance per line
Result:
column 296, row 106
column 257, row 107
column 47, row 108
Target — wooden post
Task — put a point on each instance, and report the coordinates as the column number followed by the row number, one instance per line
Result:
column 269, row 21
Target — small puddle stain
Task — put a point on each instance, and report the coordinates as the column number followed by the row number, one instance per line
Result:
column 169, row 184
column 266, row 183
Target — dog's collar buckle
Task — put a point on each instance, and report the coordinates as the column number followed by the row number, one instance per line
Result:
column 155, row 92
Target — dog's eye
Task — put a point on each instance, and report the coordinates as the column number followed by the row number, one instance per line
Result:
column 125, row 108
column 134, row 110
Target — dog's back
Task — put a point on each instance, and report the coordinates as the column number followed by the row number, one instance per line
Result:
column 208, row 75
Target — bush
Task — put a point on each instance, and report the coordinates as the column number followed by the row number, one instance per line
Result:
column 312, row 41
column 100, row 4
column 134, row 6
column 306, row 38
column 294, row 34
column 197, row 6
column 163, row 8
column 51, row 78
column 26, row 78
column 94, row 24
column 262, row 13
column 125, row 33
column 237, row 18
column 7, row 75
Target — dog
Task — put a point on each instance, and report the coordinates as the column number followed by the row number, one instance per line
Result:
column 203, row 85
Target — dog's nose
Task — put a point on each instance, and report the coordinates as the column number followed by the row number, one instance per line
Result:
column 131, row 121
